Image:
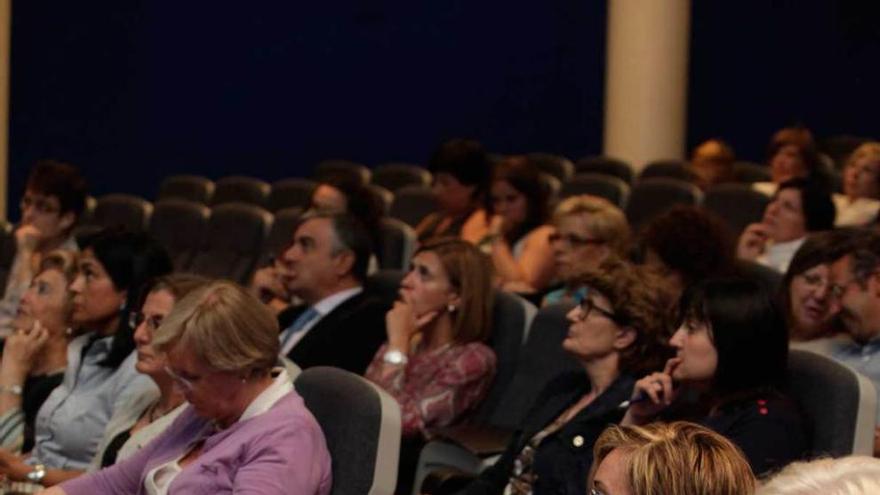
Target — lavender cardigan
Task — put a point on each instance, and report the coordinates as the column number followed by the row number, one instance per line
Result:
column 281, row 451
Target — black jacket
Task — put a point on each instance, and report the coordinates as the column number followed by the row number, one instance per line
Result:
column 346, row 338
column 563, row 459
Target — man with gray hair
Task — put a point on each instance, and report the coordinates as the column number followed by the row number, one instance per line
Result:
column 339, row 324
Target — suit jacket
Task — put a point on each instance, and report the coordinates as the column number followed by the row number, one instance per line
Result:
column 563, row 459
column 346, row 337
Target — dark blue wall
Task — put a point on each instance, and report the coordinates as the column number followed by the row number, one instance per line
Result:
column 133, row 91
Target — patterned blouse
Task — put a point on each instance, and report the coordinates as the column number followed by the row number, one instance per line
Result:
column 436, row 388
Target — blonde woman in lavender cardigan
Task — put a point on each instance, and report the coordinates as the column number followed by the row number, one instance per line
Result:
column 246, row 430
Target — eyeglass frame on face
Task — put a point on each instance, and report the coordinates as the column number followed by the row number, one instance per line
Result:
column 586, row 306
column 573, row 240
column 595, row 491
column 837, row 290
column 41, row 204
column 135, row 318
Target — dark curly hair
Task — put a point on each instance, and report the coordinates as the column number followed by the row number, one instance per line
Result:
column 639, row 300
column 690, row 241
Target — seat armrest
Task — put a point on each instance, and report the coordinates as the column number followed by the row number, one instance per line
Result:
column 446, row 481
column 482, row 441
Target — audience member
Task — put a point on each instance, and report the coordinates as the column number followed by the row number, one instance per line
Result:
column 338, row 324
column 100, row 374
column 805, row 294
column 518, row 237
column 617, row 333
column 664, row 459
column 798, row 207
column 461, row 182
column 860, row 201
column 137, row 422
column 712, row 163
column 732, row 349
column 588, row 229
column 338, row 194
column 854, row 475
column 685, row 245
column 855, row 289
column 54, row 198
column 35, row 355
column 435, row 362
column 245, row 429
column 791, row 154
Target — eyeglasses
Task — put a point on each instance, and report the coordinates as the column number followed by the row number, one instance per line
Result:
column 573, row 240
column 595, row 491
column 837, row 290
column 815, row 281
column 42, row 205
column 587, row 306
column 185, row 384
column 135, row 318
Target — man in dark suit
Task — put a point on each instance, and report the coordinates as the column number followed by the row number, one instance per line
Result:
column 338, row 324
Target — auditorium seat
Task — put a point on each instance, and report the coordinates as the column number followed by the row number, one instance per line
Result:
column 7, row 252
column 180, row 226
column 190, row 187
column 382, row 196
column 281, row 233
column 412, row 204
column 605, row 165
column 362, row 427
column 398, row 242
column 541, row 360
column 234, row 241
column 393, row 176
column 344, row 169
column 653, row 196
column 676, row 169
column 240, row 189
column 838, row 403
column 291, row 193
column 749, row 172
column 556, row 165
column 122, row 211
column 609, row 187
column 738, row 204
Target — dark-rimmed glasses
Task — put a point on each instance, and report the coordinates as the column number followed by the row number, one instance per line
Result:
column 573, row 240
column 587, row 306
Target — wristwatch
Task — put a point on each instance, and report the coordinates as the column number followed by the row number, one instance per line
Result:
column 37, row 474
column 393, row 356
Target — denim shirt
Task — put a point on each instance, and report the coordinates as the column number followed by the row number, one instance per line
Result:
column 72, row 420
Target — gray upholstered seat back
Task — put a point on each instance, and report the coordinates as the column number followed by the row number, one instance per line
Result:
column 362, row 426
column 839, row 404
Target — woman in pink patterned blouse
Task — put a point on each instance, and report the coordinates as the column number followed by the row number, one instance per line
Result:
column 435, row 363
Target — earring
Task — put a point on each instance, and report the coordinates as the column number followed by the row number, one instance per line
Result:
column 451, row 308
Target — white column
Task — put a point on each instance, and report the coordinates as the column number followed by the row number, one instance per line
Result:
column 5, row 47
column 646, row 79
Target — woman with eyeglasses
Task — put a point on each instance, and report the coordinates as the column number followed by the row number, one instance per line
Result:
column 805, row 294
column 245, row 429
column 34, row 357
column 100, row 374
column 587, row 230
column 728, row 373
column 616, row 332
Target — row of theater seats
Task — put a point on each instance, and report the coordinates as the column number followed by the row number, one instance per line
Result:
column 225, row 241
column 527, row 343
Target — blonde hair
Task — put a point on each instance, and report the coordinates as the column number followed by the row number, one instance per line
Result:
column 470, row 274
column 677, row 458
column 605, row 221
column 225, row 326
column 855, row 475
column 869, row 151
